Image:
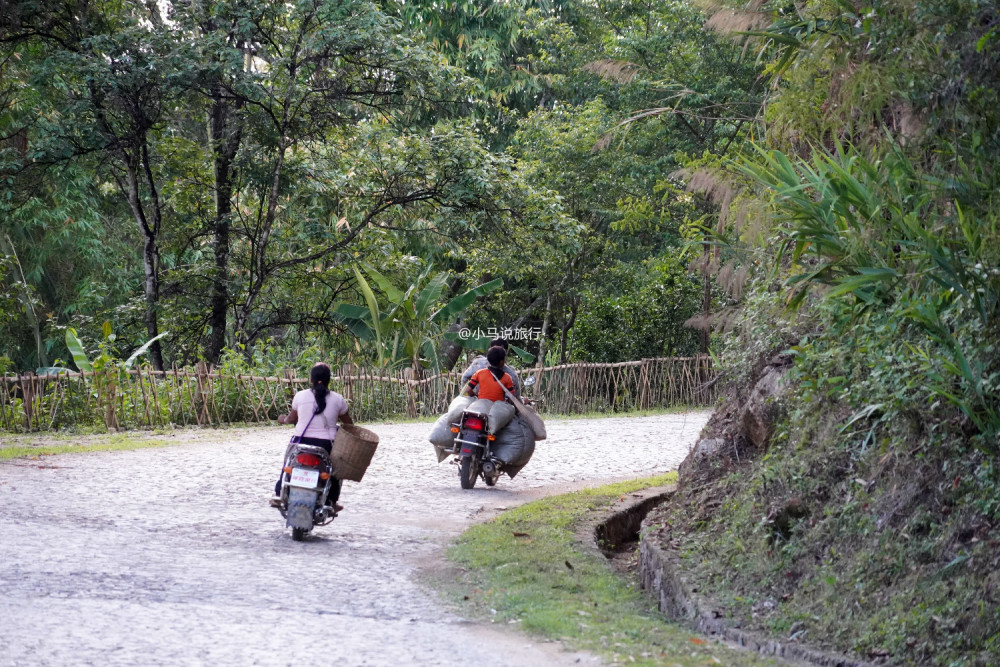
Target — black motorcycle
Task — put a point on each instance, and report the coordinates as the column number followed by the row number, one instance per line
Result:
column 306, row 480
column 474, row 446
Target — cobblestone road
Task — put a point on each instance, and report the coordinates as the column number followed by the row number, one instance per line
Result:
column 171, row 556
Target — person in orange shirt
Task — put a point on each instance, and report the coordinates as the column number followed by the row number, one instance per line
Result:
column 486, row 383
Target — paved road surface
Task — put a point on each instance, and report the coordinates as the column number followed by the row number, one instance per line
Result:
column 171, row 556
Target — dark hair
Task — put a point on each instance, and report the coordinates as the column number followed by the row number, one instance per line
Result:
column 499, row 342
column 320, row 377
column 496, row 355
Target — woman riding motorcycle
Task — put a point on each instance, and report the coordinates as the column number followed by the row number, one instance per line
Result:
column 315, row 412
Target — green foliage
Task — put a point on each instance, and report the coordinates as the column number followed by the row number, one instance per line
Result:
column 409, row 331
column 898, row 257
column 867, row 207
column 116, row 444
column 646, row 308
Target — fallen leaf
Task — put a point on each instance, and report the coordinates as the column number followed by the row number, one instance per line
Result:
column 695, row 640
column 569, row 565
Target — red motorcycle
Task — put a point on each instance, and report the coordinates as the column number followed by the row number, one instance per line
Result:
column 473, row 448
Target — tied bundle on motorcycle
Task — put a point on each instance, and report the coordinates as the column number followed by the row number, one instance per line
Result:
column 353, row 449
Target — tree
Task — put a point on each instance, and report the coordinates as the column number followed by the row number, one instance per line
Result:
column 110, row 79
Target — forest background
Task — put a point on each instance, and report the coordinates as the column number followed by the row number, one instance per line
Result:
column 265, row 185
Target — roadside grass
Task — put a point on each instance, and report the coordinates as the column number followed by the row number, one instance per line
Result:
column 112, row 443
column 528, row 568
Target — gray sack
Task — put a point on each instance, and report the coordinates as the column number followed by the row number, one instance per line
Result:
column 441, row 436
column 514, row 445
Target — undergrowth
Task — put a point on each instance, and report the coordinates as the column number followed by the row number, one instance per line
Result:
column 869, row 524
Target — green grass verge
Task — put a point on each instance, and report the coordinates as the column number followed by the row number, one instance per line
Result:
column 111, row 444
column 527, row 567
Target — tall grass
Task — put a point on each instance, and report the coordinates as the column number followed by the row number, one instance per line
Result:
column 884, row 244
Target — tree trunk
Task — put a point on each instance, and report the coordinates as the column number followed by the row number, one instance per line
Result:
column 150, row 254
column 545, row 330
column 526, row 313
column 706, row 305
column 150, row 263
column 563, row 352
column 225, row 141
column 258, row 261
column 450, row 352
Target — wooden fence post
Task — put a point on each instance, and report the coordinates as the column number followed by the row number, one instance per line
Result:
column 201, row 377
column 644, row 383
column 27, row 400
column 410, row 378
column 348, row 371
column 288, row 378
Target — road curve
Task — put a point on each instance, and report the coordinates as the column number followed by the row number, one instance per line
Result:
column 171, row 556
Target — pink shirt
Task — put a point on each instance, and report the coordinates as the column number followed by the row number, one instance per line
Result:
column 324, row 425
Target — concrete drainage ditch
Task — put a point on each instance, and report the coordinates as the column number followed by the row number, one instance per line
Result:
column 660, row 574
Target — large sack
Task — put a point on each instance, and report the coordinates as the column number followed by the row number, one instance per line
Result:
column 480, row 406
column 514, row 445
column 537, row 425
column 501, row 412
column 441, row 435
column 458, row 406
column 528, row 413
column 443, row 453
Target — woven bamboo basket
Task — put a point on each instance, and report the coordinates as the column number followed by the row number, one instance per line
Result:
column 353, row 449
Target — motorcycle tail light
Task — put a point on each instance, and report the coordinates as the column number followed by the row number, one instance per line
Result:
column 308, row 460
column 474, row 423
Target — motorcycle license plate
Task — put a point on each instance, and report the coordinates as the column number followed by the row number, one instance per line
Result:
column 304, row 477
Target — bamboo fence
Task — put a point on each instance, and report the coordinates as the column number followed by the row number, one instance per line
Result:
column 204, row 396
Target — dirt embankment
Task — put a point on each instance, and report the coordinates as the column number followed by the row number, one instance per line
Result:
column 815, row 533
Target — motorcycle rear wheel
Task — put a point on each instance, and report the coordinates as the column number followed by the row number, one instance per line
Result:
column 468, row 472
column 299, row 534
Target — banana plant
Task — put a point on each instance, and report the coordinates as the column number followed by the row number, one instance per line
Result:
column 408, row 331
column 83, row 362
column 107, row 370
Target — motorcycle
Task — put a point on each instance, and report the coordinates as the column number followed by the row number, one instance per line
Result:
column 306, row 480
column 473, row 444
